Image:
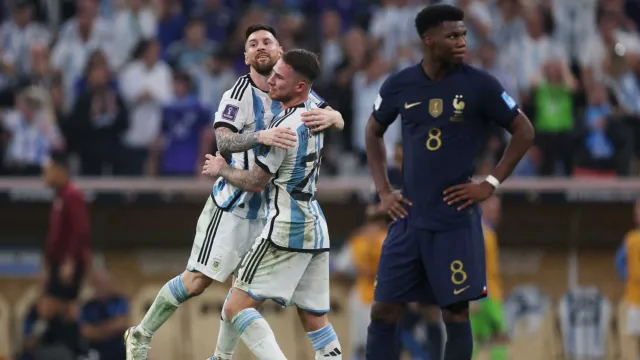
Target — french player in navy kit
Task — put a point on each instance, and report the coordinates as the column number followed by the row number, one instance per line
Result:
column 434, row 251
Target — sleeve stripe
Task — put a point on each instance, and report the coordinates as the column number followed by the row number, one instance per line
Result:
column 287, row 113
column 239, row 88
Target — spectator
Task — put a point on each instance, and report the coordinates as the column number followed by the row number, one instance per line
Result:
column 186, row 133
column 193, row 50
column 553, row 109
column 97, row 58
column 18, row 35
column 104, row 319
column 330, row 45
column 215, row 78
column 67, row 250
column 134, row 22
column 31, row 135
column 146, row 87
column 171, row 23
column 48, row 336
column 219, row 20
column 96, row 124
column 77, row 40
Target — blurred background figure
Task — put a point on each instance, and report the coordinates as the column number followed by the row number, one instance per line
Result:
column 104, row 318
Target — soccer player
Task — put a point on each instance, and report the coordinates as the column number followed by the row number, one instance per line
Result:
column 487, row 315
column 434, row 252
column 628, row 266
column 289, row 261
column 231, row 218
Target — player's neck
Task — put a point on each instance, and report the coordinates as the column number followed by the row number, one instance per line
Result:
column 436, row 70
column 259, row 80
column 295, row 101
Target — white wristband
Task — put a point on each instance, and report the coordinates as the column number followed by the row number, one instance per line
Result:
column 493, row 181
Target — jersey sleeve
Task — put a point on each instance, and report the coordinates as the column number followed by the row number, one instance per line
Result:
column 233, row 111
column 270, row 158
column 498, row 106
column 385, row 109
column 318, row 100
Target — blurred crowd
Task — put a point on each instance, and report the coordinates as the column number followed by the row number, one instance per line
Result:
column 129, row 86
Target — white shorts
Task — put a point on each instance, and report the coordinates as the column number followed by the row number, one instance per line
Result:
column 286, row 277
column 633, row 320
column 222, row 240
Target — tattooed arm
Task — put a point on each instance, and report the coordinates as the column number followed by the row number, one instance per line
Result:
column 231, row 142
column 253, row 180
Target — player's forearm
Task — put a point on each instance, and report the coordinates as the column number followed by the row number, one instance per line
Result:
column 241, row 179
column 377, row 156
column 522, row 136
column 230, row 142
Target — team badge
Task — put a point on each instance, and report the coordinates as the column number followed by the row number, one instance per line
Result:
column 458, row 108
column 435, row 107
column 230, row 112
column 215, row 264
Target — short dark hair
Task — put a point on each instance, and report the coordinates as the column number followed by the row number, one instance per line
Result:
column 434, row 15
column 59, row 158
column 303, row 62
column 258, row 27
column 181, row 76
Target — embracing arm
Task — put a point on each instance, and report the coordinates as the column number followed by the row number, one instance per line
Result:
column 253, row 180
column 232, row 142
column 338, row 123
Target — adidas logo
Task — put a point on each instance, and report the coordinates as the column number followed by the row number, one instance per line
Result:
column 335, row 352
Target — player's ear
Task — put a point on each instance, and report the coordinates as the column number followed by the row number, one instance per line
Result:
column 246, row 58
column 280, row 50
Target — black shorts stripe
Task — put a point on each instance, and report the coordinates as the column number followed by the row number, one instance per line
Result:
column 239, row 88
column 279, row 121
column 253, row 272
column 203, row 256
column 252, row 263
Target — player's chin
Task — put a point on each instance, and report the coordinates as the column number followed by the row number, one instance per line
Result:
column 458, row 57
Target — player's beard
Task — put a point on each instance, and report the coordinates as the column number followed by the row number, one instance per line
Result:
column 265, row 68
column 282, row 97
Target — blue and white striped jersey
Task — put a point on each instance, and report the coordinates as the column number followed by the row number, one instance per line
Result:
column 294, row 218
column 245, row 108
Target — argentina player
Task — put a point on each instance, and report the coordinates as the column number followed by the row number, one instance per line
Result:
column 289, row 261
column 231, row 218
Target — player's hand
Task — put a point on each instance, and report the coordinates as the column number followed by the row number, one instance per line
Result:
column 279, row 137
column 469, row 193
column 213, row 165
column 318, row 120
column 394, row 204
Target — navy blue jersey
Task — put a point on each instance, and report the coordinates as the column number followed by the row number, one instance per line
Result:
column 443, row 125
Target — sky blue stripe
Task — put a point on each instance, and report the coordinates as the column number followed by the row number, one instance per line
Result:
column 245, row 318
column 296, row 226
column 315, row 225
column 276, row 108
column 255, row 204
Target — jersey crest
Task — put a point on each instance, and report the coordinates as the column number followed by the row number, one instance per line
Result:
column 435, row 107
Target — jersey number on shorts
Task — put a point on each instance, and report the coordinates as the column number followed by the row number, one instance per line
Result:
column 298, row 190
column 458, row 275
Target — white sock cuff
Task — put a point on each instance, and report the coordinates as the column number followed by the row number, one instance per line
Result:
column 244, row 318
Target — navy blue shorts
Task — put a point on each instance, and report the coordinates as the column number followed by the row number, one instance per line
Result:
column 432, row 267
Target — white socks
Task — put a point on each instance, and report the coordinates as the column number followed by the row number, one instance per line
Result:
column 257, row 335
column 170, row 296
column 228, row 338
column 325, row 342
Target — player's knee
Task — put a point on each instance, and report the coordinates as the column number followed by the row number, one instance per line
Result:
column 386, row 312
column 195, row 282
column 312, row 321
column 457, row 312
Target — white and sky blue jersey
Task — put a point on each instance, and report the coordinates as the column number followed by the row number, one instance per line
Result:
column 294, row 218
column 245, row 108
column 585, row 320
